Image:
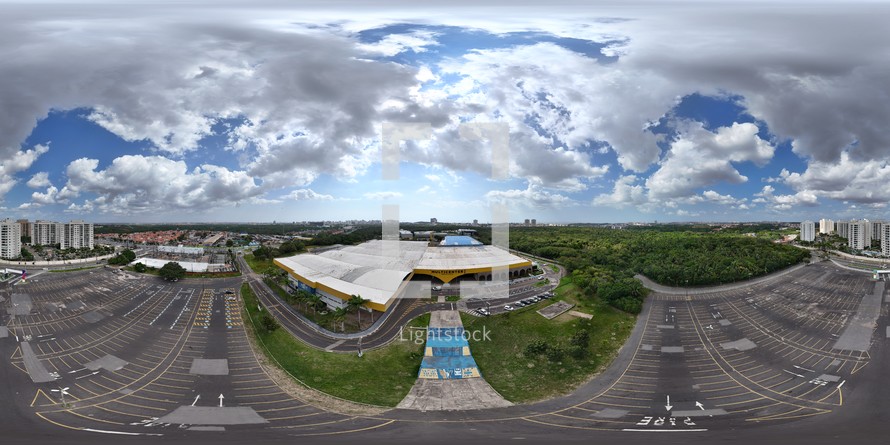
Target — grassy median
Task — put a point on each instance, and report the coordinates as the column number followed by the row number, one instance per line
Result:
column 527, row 357
column 381, row 377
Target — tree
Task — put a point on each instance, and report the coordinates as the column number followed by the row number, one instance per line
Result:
column 355, row 303
column 339, row 316
column 229, row 243
column 139, row 267
column 172, row 271
column 125, row 257
column 269, row 322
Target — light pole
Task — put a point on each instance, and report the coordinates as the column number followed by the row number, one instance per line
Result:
column 62, row 392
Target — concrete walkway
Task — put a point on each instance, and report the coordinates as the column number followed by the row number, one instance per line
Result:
column 453, row 394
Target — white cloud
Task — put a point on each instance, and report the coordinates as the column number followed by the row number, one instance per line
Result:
column 699, row 158
column 625, row 192
column 143, row 184
column 39, row 180
column 17, row 161
column 382, row 196
column 534, row 196
column 307, row 195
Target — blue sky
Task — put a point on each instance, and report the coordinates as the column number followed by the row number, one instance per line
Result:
column 612, row 115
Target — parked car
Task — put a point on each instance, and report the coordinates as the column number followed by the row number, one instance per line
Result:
column 508, row 308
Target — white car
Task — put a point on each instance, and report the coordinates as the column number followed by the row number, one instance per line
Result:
column 508, row 308
column 541, row 277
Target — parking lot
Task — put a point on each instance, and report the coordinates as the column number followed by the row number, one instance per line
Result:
column 144, row 356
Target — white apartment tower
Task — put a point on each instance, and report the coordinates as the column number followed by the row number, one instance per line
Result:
column 10, row 239
column 859, row 239
column 807, row 231
column 77, row 235
column 885, row 239
column 876, row 227
column 46, row 233
column 826, row 226
column 843, row 229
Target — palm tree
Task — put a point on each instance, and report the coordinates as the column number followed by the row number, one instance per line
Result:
column 339, row 316
column 356, row 302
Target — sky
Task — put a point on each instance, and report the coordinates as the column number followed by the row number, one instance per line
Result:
column 610, row 111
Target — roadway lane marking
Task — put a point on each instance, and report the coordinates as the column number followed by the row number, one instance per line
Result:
column 122, row 433
column 644, row 430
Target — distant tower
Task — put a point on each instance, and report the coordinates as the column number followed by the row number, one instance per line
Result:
column 433, row 221
column 534, row 222
column 527, row 221
column 475, row 222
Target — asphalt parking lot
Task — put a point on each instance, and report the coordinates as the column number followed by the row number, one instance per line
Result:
column 140, row 356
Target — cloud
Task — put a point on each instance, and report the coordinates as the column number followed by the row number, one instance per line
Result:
column 698, row 158
column 625, row 192
column 17, row 161
column 155, row 184
column 382, row 196
column 534, row 196
column 864, row 182
column 307, row 195
column 39, row 180
column 775, row 202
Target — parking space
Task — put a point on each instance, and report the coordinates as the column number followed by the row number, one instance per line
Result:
column 753, row 355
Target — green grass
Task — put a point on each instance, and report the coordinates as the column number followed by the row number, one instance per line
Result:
column 452, row 298
column 381, row 377
column 73, row 270
column 554, row 268
column 542, row 283
column 522, row 379
column 258, row 265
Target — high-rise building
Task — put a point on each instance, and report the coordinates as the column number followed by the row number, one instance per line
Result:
column 10, row 239
column 24, row 227
column 46, row 233
column 826, row 226
column 843, row 229
column 534, row 222
column 475, row 222
column 433, row 221
column 885, row 239
column 77, row 235
column 527, row 221
column 807, row 231
column 858, row 239
column 876, row 227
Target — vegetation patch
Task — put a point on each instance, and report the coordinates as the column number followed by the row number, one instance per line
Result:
column 527, row 357
column 73, row 270
column 380, row 377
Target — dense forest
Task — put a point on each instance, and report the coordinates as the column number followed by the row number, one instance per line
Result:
column 603, row 261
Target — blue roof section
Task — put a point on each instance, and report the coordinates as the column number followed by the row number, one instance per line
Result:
column 459, row 240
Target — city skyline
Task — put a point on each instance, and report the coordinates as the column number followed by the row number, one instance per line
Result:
column 615, row 113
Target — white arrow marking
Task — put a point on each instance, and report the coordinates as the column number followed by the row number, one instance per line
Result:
column 699, row 405
column 841, row 384
column 221, row 400
column 196, row 399
column 85, row 376
column 668, row 406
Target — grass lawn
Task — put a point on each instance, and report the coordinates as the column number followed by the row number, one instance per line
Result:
column 523, row 378
column 452, row 298
column 258, row 265
column 542, row 283
column 381, row 377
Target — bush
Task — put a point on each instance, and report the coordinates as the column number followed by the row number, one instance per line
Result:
column 269, row 322
column 139, row 267
column 580, row 339
column 577, row 352
column 554, row 354
column 536, row 347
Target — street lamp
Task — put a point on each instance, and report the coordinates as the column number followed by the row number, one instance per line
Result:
column 62, row 392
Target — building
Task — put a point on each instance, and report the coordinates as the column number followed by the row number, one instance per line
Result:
column 371, row 271
column 843, row 228
column 434, row 221
column 10, row 239
column 406, row 235
column 46, row 233
column 826, row 226
column 885, row 239
column 475, row 222
column 858, row 238
column 76, row 235
column 876, row 227
column 808, row 231
column 25, row 227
